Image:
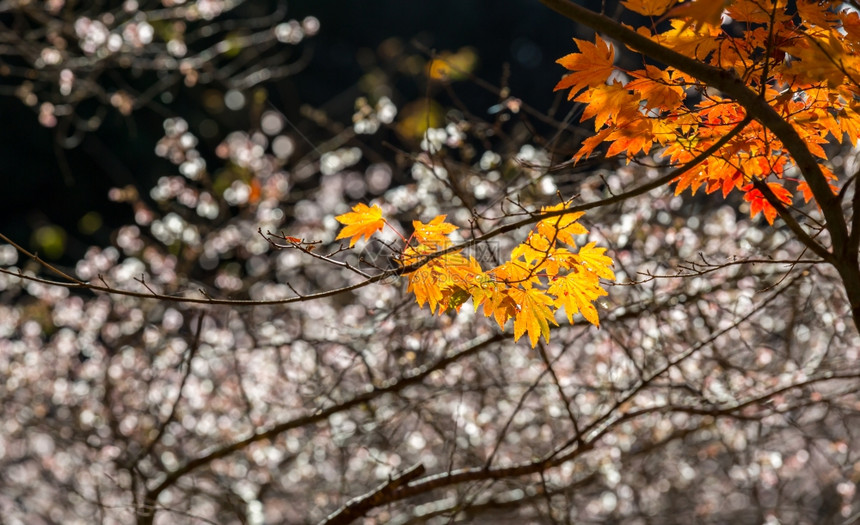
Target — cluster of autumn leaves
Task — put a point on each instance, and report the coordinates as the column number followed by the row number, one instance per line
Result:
column 802, row 59
column 542, row 276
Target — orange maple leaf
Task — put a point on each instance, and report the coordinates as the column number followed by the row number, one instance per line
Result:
column 701, row 11
column 648, row 7
column 657, row 88
column 634, row 136
column 759, row 204
column 362, row 221
column 754, row 11
column 697, row 43
column 589, row 144
column 609, row 103
column 590, row 68
column 811, row 13
column 851, row 24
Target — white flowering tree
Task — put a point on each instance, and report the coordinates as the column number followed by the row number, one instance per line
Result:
column 71, row 63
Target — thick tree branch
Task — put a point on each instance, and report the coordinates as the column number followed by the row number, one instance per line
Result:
column 729, row 84
column 359, row 505
column 791, row 222
column 845, row 257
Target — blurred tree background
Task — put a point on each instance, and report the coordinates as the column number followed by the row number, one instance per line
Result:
column 209, row 352
column 56, row 179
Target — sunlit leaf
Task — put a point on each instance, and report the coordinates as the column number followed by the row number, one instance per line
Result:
column 589, row 68
column 362, row 221
column 534, row 314
column 576, row 292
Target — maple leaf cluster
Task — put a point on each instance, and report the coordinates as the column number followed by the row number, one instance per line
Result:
column 542, row 276
column 801, row 57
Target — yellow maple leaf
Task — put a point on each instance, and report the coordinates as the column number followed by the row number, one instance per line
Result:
column 535, row 248
column 434, row 232
column 592, row 258
column 559, row 260
column 462, row 272
column 533, row 314
column 576, row 292
column 458, row 277
column 362, row 221
column 515, row 289
column 423, row 282
column 483, row 289
column 563, row 227
column 502, row 308
column 515, row 271
column 590, row 68
column 493, row 298
column 437, row 281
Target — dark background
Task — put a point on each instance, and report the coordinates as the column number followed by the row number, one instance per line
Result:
column 44, row 184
